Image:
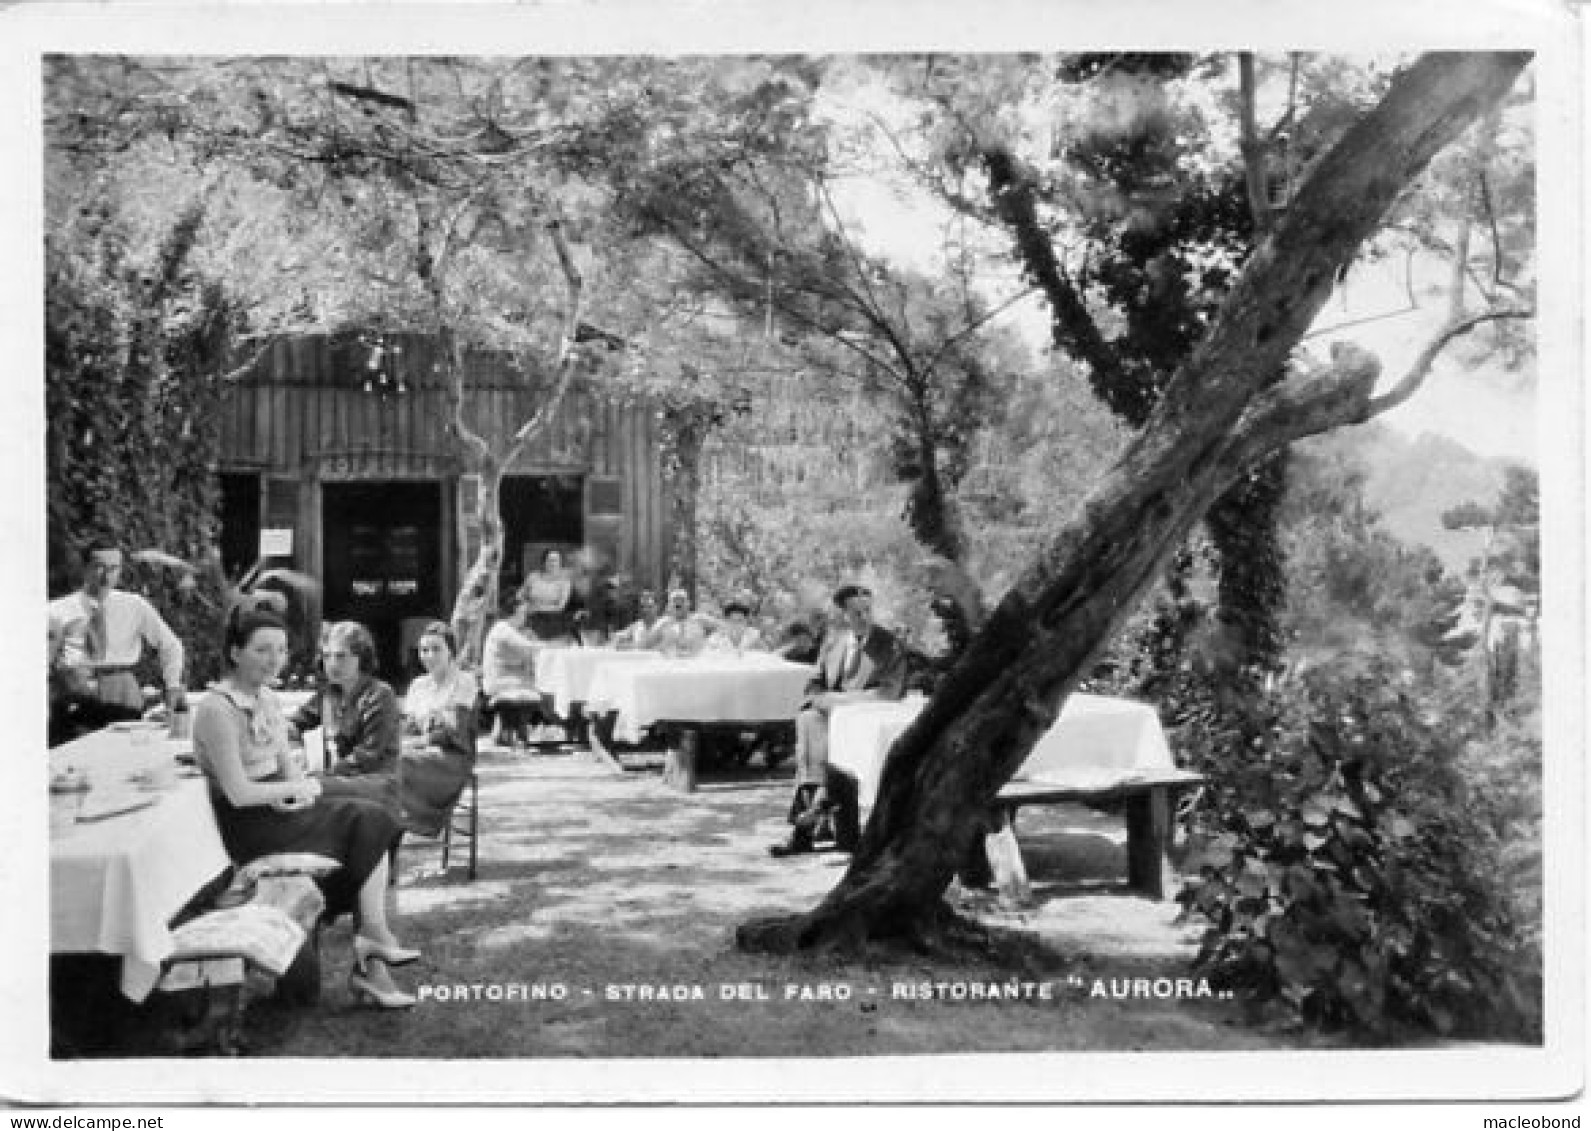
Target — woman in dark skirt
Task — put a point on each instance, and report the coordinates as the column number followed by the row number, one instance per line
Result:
column 549, row 591
column 264, row 804
column 438, row 734
column 361, row 718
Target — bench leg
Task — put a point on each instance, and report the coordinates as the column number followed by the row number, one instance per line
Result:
column 1149, row 842
column 679, row 766
column 1005, row 860
column 300, row 982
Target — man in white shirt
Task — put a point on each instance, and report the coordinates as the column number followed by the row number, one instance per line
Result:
column 98, row 635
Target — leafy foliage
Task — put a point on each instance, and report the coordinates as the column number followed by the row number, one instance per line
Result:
column 134, row 345
column 1515, row 518
column 1350, row 868
column 1368, row 844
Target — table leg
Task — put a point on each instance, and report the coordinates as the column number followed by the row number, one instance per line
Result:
column 1149, row 841
column 1005, row 859
column 679, row 766
column 599, row 739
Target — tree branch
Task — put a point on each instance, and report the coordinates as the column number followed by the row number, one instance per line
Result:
column 1484, row 183
column 238, row 372
column 1339, row 393
column 787, row 309
column 1250, row 146
column 564, row 366
column 1012, row 186
column 1411, row 381
column 975, row 324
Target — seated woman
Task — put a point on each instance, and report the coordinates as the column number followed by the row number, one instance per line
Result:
column 439, row 734
column 548, row 591
column 508, row 676
column 736, row 632
column 265, row 805
column 678, row 631
column 361, row 717
column 634, row 636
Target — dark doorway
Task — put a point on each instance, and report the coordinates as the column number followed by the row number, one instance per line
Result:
column 383, row 562
column 240, row 522
column 539, row 512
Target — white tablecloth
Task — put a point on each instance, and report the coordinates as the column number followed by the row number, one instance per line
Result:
column 116, row 882
column 712, row 687
column 565, row 673
column 1096, row 740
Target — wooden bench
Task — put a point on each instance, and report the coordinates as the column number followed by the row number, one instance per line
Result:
column 682, row 745
column 1148, row 798
column 682, row 762
column 202, row 986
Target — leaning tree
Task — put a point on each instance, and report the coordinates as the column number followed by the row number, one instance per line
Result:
column 1234, row 401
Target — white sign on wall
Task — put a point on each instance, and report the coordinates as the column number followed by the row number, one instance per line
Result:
column 276, row 542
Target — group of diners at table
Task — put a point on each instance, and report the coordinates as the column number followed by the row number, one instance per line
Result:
column 386, row 767
column 398, row 766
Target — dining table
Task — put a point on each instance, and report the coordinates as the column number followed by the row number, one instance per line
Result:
column 133, row 841
column 1096, row 739
column 1099, row 750
column 684, row 694
column 564, row 672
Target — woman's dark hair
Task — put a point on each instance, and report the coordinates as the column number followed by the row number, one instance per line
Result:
column 241, row 625
column 357, row 639
column 843, row 595
column 444, row 631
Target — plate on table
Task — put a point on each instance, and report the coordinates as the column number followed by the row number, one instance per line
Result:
column 113, row 806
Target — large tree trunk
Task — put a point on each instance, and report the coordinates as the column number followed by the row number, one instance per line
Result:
column 1220, row 413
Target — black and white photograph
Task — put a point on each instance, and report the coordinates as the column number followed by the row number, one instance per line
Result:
column 725, row 555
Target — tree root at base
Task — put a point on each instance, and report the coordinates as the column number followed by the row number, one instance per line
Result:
column 936, row 931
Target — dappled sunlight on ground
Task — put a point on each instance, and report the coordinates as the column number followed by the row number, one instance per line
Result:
column 617, row 899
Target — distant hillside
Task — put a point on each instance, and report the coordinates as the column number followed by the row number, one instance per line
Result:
column 1411, row 482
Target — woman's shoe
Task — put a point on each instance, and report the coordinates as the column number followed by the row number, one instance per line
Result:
column 366, row 949
column 367, row 992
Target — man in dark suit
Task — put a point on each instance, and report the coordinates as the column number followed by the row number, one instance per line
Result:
column 859, row 662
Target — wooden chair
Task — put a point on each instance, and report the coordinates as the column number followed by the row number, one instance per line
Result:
column 465, row 823
column 463, row 818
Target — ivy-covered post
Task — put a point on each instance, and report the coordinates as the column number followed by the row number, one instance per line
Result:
column 686, row 424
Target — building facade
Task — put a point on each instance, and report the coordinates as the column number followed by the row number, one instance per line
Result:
column 338, row 459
